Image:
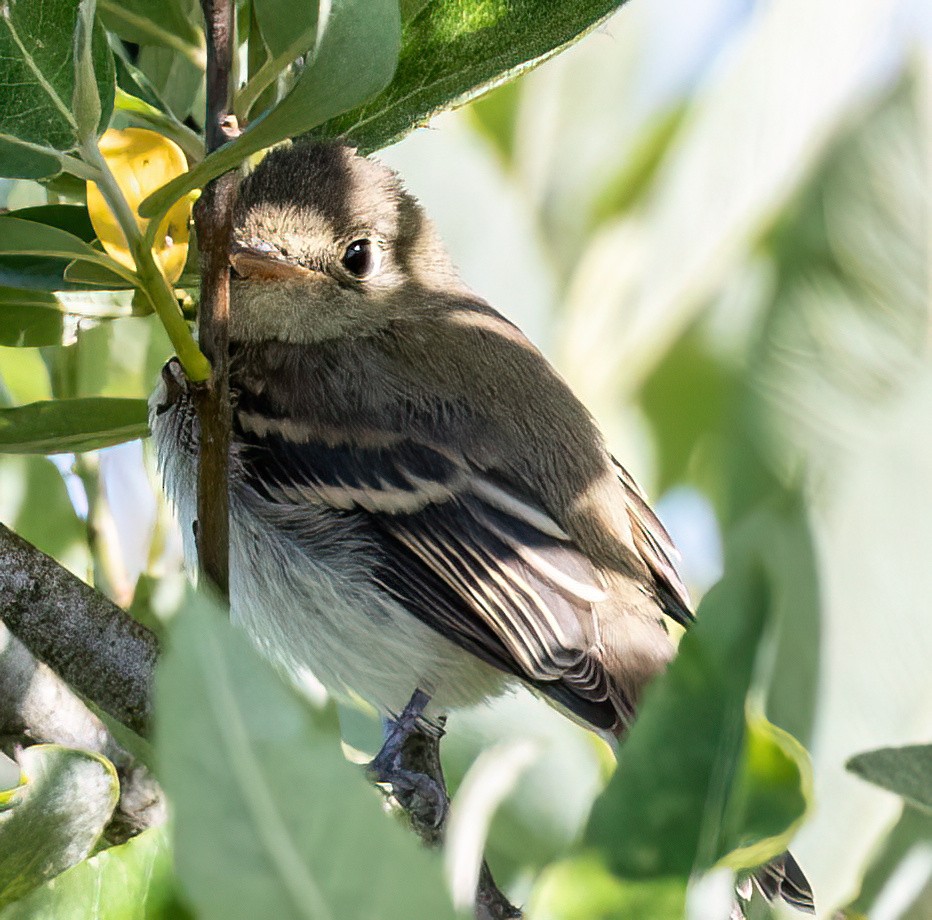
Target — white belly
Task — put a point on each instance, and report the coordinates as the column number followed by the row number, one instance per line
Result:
column 312, row 607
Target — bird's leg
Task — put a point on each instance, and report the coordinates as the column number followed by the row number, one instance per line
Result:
column 410, row 762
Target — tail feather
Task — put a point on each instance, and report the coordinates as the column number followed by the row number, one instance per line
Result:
column 783, row 878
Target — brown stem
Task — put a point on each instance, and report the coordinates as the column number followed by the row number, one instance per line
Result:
column 93, row 645
column 213, row 221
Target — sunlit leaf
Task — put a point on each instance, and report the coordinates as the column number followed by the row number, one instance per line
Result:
column 129, row 882
column 583, row 889
column 67, row 801
column 142, row 161
column 453, row 52
column 774, row 783
column 37, row 72
column 68, row 425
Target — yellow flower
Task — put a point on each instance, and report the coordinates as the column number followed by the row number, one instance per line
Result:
column 141, row 161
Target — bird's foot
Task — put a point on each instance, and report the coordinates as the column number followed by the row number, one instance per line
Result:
column 422, row 795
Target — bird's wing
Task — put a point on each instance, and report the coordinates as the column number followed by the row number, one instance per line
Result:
column 656, row 548
column 464, row 552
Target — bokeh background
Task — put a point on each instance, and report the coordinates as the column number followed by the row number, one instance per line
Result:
column 713, row 216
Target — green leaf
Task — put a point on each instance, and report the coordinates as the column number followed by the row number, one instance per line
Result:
column 38, row 75
column 774, row 781
column 69, row 425
column 129, row 882
column 73, row 218
column 85, row 102
column 63, row 809
column 173, row 24
column 692, row 784
column 44, row 244
column 33, row 318
column 907, row 771
column 270, row 818
column 29, row 318
column 583, row 889
column 88, row 274
column 281, row 20
column 354, row 58
column 178, row 80
column 453, row 52
column 25, row 161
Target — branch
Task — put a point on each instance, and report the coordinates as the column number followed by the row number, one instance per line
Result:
column 421, row 755
column 36, row 706
column 213, row 220
column 93, row 645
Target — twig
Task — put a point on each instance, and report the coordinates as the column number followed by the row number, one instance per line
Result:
column 93, row 645
column 213, row 220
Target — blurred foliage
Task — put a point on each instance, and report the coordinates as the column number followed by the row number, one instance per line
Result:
column 65, row 803
column 733, row 247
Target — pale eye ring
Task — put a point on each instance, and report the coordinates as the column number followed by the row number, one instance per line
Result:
column 362, row 258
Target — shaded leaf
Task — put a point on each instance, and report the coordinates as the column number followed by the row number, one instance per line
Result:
column 44, row 247
column 38, row 75
column 68, row 425
column 280, row 21
column 354, row 59
column 72, row 218
column 453, row 52
column 907, row 771
column 270, row 819
column 176, row 24
column 63, row 809
column 178, row 79
column 21, row 161
column 29, row 318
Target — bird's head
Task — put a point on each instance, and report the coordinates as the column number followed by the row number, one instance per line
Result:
column 328, row 243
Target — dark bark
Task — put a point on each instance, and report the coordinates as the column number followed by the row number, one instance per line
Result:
column 213, row 222
column 93, row 645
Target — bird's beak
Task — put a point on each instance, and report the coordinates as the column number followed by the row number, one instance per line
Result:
column 258, row 265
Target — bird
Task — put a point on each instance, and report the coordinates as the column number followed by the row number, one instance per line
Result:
column 420, row 507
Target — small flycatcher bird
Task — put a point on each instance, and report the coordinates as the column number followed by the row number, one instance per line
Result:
column 418, row 502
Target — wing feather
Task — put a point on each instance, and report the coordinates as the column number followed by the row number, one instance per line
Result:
column 464, row 552
column 657, row 549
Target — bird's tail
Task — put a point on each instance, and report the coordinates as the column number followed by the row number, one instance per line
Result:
column 782, row 878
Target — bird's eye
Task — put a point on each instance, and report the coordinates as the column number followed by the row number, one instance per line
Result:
column 361, row 258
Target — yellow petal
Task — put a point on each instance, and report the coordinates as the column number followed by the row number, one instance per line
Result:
column 141, row 161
